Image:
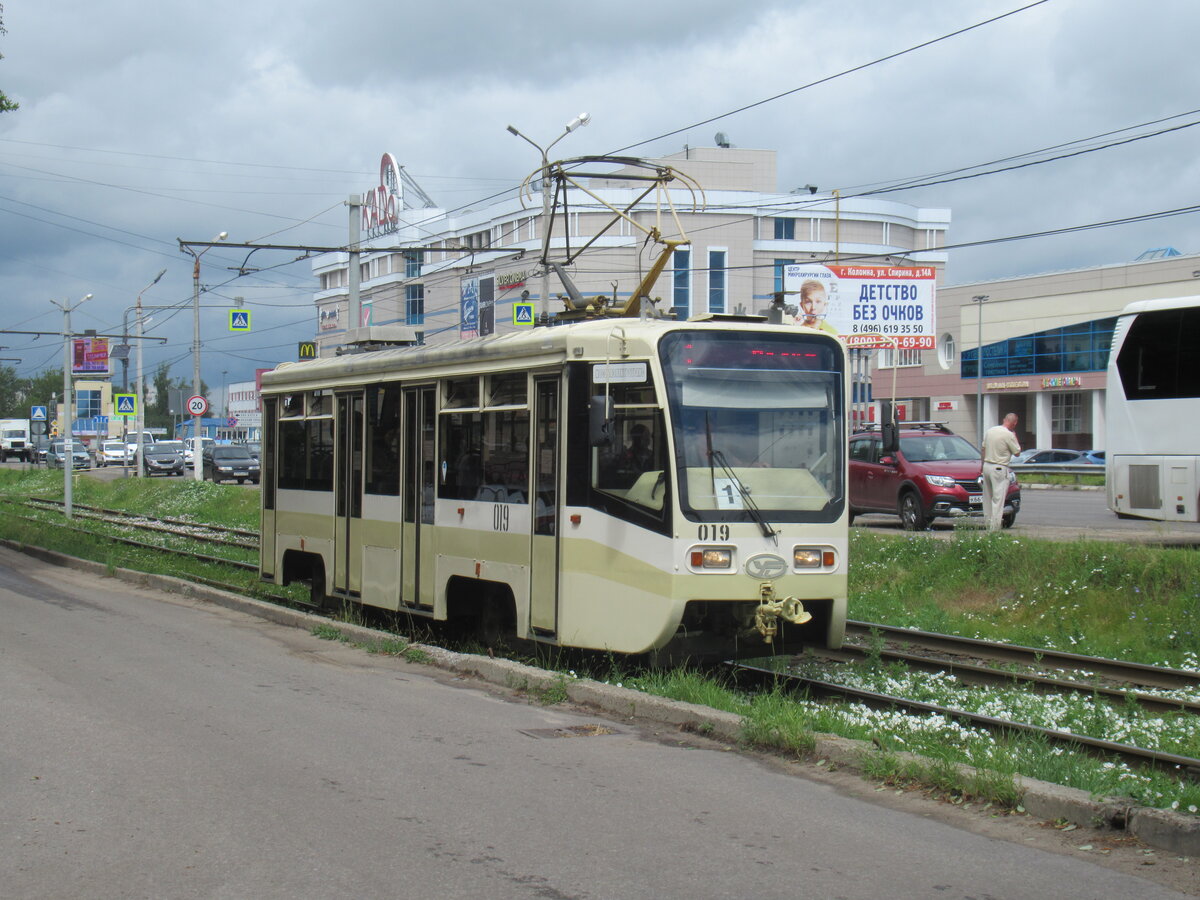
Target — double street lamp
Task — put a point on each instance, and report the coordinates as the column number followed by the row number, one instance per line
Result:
column 577, row 122
column 198, row 474
column 68, row 443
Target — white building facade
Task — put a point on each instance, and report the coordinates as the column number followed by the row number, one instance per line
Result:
column 743, row 231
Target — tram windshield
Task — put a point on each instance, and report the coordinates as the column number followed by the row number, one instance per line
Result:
column 758, row 425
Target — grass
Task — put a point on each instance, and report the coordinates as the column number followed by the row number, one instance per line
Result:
column 1121, row 601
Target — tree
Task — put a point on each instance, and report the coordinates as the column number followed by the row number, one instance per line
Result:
column 158, row 414
column 6, row 105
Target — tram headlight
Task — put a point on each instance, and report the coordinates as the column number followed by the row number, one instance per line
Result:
column 814, row 558
column 712, row 558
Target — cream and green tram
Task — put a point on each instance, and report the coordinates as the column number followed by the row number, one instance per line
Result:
column 622, row 485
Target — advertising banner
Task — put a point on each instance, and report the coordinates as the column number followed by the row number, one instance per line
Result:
column 468, row 308
column 895, row 301
column 89, row 356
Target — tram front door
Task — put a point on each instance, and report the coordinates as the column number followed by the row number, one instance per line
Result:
column 348, row 495
column 543, row 574
column 418, row 489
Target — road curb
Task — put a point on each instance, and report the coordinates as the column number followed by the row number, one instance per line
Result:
column 1165, row 829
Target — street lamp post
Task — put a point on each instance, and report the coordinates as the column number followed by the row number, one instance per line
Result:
column 577, row 122
column 980, row 299
column 197, row 472
column 140, row 418
column 68, row 442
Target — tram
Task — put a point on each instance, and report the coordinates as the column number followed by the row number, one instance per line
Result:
column 624, row 485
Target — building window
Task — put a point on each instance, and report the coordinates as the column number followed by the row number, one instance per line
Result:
column 414, row 304
column 947, row 351
column 412, row 264
column 899, row 359
column 1066, row 413
column 681, row 284
column 716, row 280
column 1082, row 347
column 785, row 229
column 779, row 264
column 87, row 404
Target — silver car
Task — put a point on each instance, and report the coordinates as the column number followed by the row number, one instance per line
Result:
column 59, row 453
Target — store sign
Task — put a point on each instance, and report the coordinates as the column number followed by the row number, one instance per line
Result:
column 947, row 405
column 328, row 319
column 1007, row 386
column 381, row 205
column 509, row 280
column 1061, row 381
column 90, row 355
column 894, row 301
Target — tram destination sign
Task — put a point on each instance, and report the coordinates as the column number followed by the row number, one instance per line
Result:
column 619, row 373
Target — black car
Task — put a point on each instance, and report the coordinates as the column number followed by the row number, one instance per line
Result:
column 228, row 462
column 163, row 458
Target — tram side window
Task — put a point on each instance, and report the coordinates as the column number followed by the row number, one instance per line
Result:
column 461, row 465
column 622, row 479
column 485, row 456
column 306, row 454
column 383, row 440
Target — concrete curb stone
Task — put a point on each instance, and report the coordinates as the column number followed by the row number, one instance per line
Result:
column 1166, row 829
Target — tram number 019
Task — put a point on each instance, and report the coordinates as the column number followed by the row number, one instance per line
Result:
column 713, row 533
column 500, row 517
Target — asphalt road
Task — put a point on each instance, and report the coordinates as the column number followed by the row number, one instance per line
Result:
column 153, row 746
column 1059, row 512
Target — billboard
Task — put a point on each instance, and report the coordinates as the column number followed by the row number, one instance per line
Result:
column 468, row 308
column 89, row 356
column 895, row 301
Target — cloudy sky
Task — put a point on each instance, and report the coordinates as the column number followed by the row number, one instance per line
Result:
column 144, row 122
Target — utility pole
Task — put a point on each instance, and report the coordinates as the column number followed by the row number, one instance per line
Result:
column 68, row 443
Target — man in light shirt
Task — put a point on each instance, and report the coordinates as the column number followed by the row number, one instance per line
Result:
column 999, row 447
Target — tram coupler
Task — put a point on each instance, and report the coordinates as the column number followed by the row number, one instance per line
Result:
column 790, row 609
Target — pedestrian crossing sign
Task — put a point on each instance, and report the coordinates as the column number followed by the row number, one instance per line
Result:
column 523, row 314
column 239, row 320
column 37, row 413
column 125, row 404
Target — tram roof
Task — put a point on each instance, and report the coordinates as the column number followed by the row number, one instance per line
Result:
column 593, row 339
column 1141, row 306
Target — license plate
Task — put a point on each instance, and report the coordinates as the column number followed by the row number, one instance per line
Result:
column 975, row 499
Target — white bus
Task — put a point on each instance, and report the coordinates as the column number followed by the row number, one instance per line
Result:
column 1153, row 411
column 622, row 485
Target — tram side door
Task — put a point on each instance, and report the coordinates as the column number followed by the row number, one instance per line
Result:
column 543, row 567
column 348, row 495
column 416, row 529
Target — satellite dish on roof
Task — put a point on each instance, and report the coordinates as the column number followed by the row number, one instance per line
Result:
column 722, row 140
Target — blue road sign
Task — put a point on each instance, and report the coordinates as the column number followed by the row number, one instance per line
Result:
column 522, row 313
column 126, row 404
column 37, row 413
column 239, row 320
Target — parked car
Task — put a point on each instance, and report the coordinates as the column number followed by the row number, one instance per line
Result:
column 229, row 462
column 255, row 448
column 190, row 446
column 934, row 473
column 1095, row 457
column 1053, row 458
column 163, row 458
column 114, row 453
column 59, row 452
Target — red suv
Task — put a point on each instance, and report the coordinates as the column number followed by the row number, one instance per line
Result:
column 933, row 473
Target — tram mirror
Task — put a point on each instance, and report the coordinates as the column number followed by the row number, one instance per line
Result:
column 887, row 427
column 600, row 420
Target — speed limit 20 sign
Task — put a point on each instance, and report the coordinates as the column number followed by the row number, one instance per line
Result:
column 197, row 405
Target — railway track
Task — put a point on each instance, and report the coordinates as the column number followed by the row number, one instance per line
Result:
column 974, row 661
column 198, row 531
column 760, row 678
